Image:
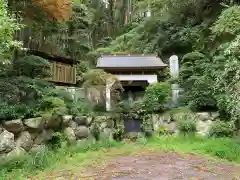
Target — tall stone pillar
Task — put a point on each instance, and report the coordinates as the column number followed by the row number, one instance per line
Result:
column 109, row 85
column 174, row 72
column 174, row 66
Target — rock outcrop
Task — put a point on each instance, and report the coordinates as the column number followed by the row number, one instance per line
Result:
column 7, row 142
column 24, row 141
column 34, row 123
column 69, row 133
column 44, row 136
column 66, row 119
column 204, row 121
column 14, row 126
column 82, row 132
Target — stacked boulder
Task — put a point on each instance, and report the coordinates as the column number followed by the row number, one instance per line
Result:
column 164, row 120
column 105, row 126
column 204, row 121
column 20, row 136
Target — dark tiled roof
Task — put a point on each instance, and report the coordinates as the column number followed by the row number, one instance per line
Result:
column 130, row 61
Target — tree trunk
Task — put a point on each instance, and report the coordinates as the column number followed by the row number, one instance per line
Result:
column 111, row 23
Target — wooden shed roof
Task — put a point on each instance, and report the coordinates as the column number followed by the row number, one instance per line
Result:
column 134, row 61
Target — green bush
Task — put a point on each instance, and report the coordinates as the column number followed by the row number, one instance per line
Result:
column 227, row 85
column 121, row 107
column 200, row 97
column 100, row 107
column 59, row 140
column 51, row 106
column 21, row 89
column 118, row 132
column 22, row 84
column 95, row 130
column 134, row 110
column 26, row 164
column 81, row 68
column 156, row 97
column 9, row 93
column 222, row 129
column 32, row 66
column 60, row 93
column 10, row 112
column 147, row 126
column 80, row 108
column 62, row 98
column 23, row 93
column 228, row 22
column 198, row 86
column 186, row 124
column 162, row 130
column 48, row 103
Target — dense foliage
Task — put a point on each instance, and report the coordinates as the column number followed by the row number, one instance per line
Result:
column 23, row 93
column 204, row 34
column 222, row 129
column 156, row 97
column 9, row 25
column 197, row 85
column 187, row 124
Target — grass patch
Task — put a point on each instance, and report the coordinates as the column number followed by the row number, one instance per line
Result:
column 32, row 164
column 224, row 148
column 76, row 158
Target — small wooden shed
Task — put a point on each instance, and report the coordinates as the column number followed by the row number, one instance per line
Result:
column 63, row 69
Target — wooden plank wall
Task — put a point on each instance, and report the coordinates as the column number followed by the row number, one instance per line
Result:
column 63, row 73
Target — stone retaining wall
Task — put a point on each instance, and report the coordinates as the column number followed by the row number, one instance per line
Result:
column 204, row 121
column 31, row 135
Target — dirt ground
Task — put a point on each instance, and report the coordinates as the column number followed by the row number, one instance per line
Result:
column 158, row 166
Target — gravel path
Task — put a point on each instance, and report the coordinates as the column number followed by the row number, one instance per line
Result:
column 159, row 166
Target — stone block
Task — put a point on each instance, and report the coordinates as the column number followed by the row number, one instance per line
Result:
column 81, row 120
column 6, row 142
column 53, row 122
column 18, row 151
column 14, row 126
column 24, row 141
column 203, row 116
column 38, row 148
column 70, row 134
column 66, row 119
column 203, row 127
column 34, row 123
column 82, row 132
column 215, row 115
column 44, row 136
